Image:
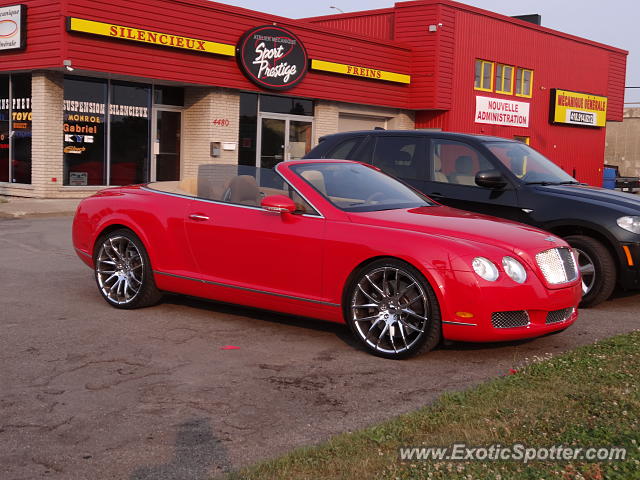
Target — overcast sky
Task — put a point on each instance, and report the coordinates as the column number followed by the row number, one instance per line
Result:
column 614, row 22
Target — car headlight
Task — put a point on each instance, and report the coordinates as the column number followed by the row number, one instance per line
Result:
column 514, row 269
column 485, row 268
column 630, row 223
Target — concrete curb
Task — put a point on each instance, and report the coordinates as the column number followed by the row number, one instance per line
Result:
column 17, row 207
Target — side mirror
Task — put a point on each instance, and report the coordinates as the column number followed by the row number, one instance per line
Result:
column 491, row 179
column 278, row 204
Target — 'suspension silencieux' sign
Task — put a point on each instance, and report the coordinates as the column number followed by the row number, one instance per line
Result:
column 272, row 57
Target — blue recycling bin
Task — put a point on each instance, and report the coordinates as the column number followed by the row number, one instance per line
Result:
column 609, row 178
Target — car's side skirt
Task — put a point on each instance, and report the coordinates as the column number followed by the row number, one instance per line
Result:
column 249, row 296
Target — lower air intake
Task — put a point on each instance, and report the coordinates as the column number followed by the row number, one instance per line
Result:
column 518, row 318
column 558, row 316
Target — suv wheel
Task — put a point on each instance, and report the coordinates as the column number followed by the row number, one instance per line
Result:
column 597, row 268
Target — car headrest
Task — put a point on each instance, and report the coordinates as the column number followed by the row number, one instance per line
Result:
column 244, row 189
column 316, row 179
column 464, row 165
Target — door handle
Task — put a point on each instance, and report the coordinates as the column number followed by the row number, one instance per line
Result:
column 198, row 218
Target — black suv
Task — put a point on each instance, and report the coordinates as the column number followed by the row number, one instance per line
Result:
column 508, row 179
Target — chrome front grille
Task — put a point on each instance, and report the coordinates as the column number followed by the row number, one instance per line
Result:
column 517, row 318
column 558, row 316
column 558, row 265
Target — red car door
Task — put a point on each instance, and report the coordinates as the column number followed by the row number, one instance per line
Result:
column 252, row 248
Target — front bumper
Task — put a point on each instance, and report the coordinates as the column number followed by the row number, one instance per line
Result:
column 629, row 266
column 468, row 308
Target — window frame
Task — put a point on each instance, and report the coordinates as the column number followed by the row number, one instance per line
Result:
column 483, row 63
column 479, row 152
column 420, row 155
column 500, row 88
column 521, row 83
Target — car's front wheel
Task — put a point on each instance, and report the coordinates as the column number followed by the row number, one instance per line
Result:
column 392, row 309
column 123, row 271
column 597, row 268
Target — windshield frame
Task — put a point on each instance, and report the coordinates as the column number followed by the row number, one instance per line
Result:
column 552, row 176
column 424, row 200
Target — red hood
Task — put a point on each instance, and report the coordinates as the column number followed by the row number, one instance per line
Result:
column 454, row 223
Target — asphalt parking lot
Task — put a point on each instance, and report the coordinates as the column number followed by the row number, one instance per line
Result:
column 87, row 391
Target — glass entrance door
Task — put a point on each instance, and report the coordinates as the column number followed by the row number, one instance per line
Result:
column 299, row 139
column 282, row 138
column 168, row 126
column 272, row 145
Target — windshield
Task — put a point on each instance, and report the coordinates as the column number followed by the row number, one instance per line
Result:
column 353, row 187
column 528, row 165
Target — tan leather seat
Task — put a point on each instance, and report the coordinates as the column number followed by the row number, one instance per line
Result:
column 189, row 185
column 464, row 171
column 244, row 190
column 316, row 179
column 438, row 176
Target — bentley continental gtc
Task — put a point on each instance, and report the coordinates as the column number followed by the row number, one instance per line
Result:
column 330, row 239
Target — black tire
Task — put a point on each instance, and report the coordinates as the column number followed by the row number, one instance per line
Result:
column 397, row 319
column 600, row 286
column 130, row 284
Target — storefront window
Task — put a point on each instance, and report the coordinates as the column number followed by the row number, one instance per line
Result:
column 291, row 106
column 4, row 128
column 163, row 95
column 21, row 126
column 106, row 132
column 248, row 129
column 15, row 128
column 84, row 131
column 129, row 109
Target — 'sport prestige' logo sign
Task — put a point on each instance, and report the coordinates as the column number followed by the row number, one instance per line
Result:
column 272, row 57
column 13, row 27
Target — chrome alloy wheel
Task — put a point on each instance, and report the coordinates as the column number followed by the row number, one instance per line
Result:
column 587, row 270
column 390, row 309
column 119, row 270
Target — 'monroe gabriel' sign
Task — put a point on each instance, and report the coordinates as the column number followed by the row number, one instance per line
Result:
column 272, row 57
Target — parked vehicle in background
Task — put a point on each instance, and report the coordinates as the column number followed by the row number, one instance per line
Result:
column 508, row 179
column 613, row 179
column 335, row 240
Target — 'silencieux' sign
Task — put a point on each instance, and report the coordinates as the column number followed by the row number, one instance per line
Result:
column 148, row 36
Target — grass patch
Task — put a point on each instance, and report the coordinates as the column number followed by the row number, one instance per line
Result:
column 587, row 398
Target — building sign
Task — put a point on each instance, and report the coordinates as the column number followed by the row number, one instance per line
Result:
column 78, row 179
column 272, row 57
column 497, row 111
column 363, row 72
column 578, row 108
column 146, row 36
column 13, row 27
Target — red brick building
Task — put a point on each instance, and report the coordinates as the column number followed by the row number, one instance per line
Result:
column 112, row 92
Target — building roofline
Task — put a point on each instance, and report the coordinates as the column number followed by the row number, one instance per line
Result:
column 477, row 10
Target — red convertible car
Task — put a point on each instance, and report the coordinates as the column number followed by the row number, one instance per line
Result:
column 334, row 240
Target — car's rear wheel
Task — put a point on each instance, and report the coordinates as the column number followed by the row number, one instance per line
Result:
column 392, row 309
column 597, row 268
column 123, row 271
